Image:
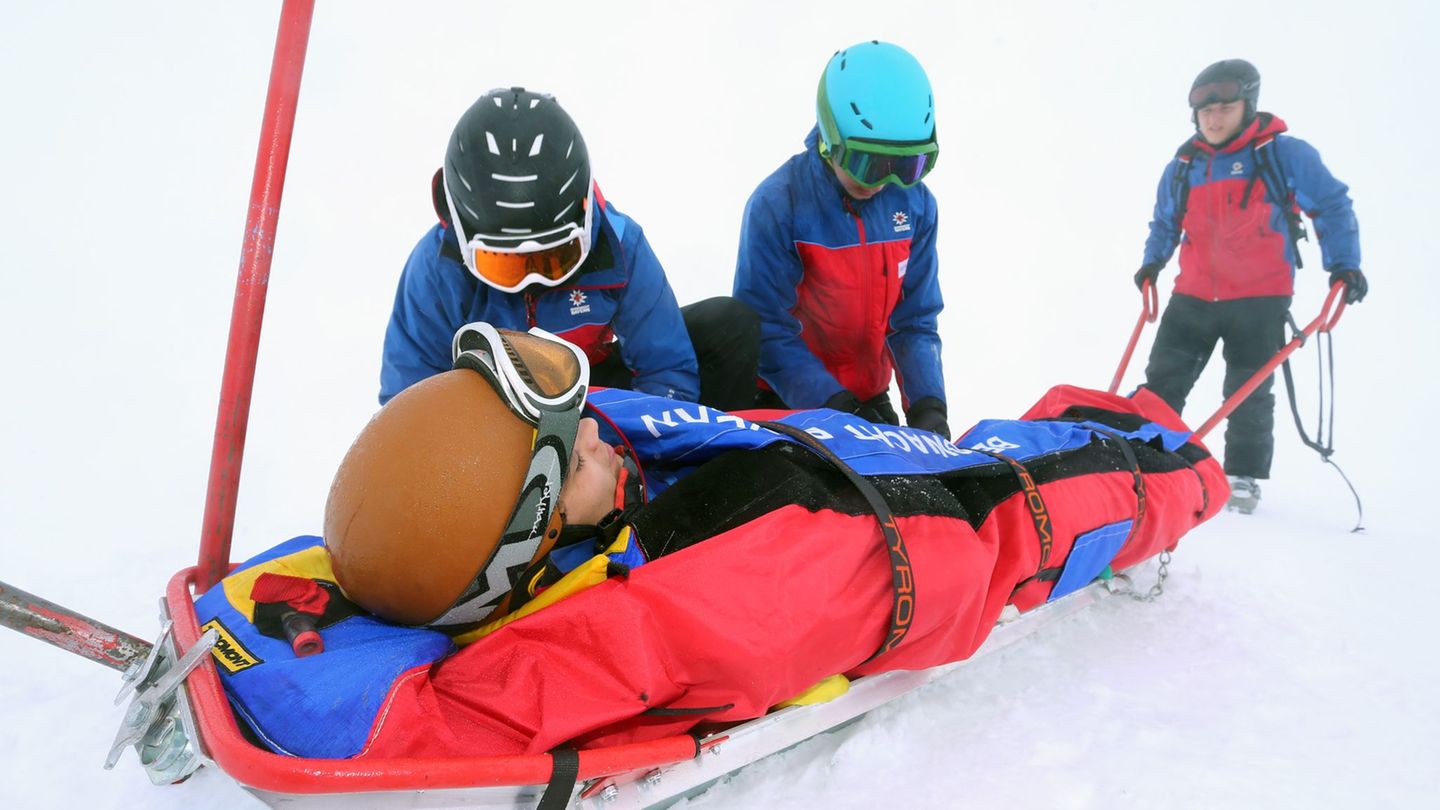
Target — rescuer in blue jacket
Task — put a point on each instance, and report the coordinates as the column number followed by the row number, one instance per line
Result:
column 526, row 240
column 1230, row 200
column 837, row 250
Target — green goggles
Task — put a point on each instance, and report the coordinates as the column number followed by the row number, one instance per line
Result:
column 873, row 163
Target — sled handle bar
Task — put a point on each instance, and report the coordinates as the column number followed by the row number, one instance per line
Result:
column 44, row 620
column 248, row 310
column 1149, row 311
column 1324, row 322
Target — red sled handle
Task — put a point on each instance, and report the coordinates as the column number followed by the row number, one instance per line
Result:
column 248, row 310
column 1324, row 322
column 1149, row 311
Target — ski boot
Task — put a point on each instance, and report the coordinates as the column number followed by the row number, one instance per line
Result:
column 1244, row 494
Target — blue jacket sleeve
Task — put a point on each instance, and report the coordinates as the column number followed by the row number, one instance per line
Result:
column 914, row 337
column 1325, row 199
column 653, row 341
column 767, row 277
column 429, row 307
column 1164, row 230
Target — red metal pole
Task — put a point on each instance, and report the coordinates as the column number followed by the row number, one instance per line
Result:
column 245, row 318
column 40, row 618
column 1324, row 322
column 1149, row 310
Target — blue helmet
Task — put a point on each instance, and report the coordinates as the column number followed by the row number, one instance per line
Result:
column 876, row 93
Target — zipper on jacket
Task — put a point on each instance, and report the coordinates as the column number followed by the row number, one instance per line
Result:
column 1216, row 209
column 859, row 223
column 529, row 309
column 867, row 282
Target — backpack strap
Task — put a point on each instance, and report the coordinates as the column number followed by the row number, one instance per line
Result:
column 1180, row 180
column 1267, row 169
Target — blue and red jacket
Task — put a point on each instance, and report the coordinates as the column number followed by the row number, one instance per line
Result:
column 846, row 290
column 620, row 298
column 1238, row 246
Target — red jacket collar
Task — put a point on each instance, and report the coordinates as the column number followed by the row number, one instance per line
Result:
column 1264, row 126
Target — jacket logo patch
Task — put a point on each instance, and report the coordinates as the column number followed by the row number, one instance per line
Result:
column 901, row 220
column 578, row 305
column 1237, row 168
column 229, row 653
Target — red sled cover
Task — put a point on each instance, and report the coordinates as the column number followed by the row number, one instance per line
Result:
column 755, row 614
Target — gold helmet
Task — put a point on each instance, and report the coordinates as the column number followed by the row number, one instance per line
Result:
column 450, row 491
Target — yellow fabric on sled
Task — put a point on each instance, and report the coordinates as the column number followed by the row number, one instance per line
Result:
column 822, row 692
column 588, row 574
column 312, row 563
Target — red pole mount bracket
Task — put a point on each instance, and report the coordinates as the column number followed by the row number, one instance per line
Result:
column 1149, row 311
column 250, row 287
column 1324, row 322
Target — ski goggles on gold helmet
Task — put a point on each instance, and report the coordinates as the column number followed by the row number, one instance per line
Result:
column 873, row 163
column 510, row 262
column 542, row 380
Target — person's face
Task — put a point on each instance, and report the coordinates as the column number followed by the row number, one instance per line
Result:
column 589, row 491
column 854, row 189
column 1219, row 122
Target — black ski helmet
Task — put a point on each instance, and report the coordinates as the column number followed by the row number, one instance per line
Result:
column 517, row 171
column 1225, row 81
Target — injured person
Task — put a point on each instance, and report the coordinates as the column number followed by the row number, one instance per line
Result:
column 512, row 562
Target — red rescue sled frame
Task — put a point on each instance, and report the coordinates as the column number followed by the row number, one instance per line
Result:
column 635, row 775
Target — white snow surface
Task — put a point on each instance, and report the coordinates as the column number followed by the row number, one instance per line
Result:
column 1290, row 662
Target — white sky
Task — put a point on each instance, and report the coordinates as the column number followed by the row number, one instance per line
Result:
column 127, row 146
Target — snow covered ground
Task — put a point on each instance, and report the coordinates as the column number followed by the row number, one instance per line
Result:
column 1290, row 663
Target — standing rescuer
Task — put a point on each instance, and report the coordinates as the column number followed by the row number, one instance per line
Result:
column 837, row 249
column 1231, row 201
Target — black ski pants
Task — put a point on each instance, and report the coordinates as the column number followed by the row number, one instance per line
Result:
column 1253, row 330
column 726, row 335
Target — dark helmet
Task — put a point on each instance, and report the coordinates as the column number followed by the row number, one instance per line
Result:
column 1225, row 81
column 517, row 178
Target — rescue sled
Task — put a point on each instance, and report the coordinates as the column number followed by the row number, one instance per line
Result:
column 179, row 718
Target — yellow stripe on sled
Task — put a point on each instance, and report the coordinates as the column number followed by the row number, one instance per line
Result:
column 822, row 692
column 311, row 563
column 586, row 575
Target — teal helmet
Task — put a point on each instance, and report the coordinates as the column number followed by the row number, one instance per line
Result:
column 876, row 114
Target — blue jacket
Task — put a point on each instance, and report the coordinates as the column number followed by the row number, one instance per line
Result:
column 620, row 295
column 846, row 291
column 1236, row 244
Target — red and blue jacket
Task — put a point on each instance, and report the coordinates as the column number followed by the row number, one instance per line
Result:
column 846, row 290
column 1234, row 240
column 620, row 298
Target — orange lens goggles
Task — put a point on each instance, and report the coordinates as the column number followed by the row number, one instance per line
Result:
column 508, row 270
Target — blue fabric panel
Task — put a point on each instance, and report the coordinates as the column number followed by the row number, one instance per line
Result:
column 670, row 438
column 1092, row 551
column 324, row 705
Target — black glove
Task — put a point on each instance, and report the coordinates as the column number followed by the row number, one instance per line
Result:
column 1355, row 284
column 928, row 414
column 1147, row 272
column 878, row 410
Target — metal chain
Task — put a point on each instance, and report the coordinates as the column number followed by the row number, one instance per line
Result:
column 1156, row 590
column 1159, row 587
